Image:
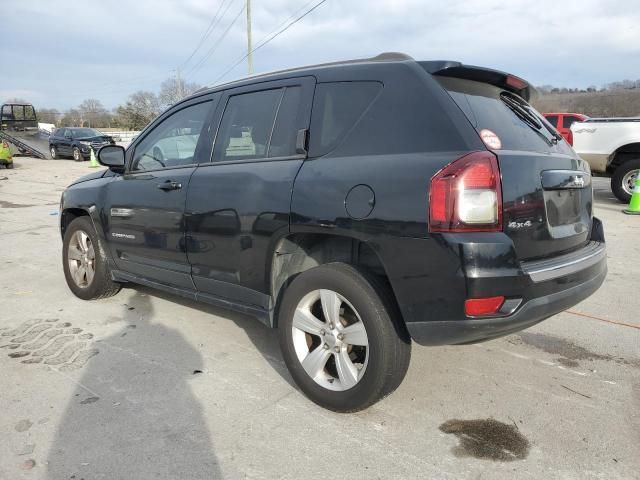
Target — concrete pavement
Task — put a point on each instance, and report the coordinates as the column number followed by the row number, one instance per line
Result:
column 176, row 390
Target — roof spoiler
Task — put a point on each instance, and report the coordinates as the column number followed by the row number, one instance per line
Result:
column 480, row 74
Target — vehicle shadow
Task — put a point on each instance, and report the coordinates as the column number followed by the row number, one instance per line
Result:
column 264, row 339
column 133, row 414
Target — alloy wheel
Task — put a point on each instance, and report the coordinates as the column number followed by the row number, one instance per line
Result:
column 330, row 340
column 81, row 256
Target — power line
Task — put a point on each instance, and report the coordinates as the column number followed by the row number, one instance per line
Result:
column 263, row 43
column 217, row 43
column 212, row 25
column 116, row 87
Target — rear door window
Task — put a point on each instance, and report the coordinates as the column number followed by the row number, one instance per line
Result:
column 337, row 107
column 247, row 125
column 517, row 124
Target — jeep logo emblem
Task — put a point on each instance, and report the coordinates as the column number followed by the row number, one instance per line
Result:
column 578, row 181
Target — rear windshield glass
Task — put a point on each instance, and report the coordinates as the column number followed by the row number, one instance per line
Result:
column 518, row 125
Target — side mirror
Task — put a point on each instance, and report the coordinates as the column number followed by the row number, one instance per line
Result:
column 112, row 156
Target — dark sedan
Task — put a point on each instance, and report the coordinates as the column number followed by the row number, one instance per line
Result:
column 76, row 142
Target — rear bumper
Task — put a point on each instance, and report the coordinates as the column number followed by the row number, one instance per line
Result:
column 536, row 290
column 453, row 332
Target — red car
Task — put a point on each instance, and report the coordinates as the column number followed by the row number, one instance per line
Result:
column 563, row 121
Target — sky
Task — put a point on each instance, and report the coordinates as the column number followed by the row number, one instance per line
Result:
column 56, row 54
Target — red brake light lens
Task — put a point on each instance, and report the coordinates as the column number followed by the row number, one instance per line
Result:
column 475, row 307
column 466, row 195
column 516, row 82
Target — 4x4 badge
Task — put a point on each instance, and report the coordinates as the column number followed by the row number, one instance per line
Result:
column 516, row 225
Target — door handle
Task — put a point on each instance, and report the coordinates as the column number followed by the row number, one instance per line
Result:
column 169, row 185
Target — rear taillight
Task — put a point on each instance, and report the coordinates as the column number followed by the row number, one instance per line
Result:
column 466, row 195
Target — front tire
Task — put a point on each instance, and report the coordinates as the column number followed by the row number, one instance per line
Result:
column 85, row 263
column 341, row 337
column 624, row 178
column 77, row 155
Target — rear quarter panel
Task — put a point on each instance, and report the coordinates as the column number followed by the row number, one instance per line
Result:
column 411, row 131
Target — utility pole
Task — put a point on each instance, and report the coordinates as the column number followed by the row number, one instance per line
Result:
column 179, row 80
column 249, row 42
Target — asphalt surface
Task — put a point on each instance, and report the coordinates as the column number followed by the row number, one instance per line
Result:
column 145, row 385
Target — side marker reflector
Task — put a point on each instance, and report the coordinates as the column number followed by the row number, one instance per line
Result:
column 475, row 307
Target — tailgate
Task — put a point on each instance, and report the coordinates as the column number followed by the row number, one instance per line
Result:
column 546, row 187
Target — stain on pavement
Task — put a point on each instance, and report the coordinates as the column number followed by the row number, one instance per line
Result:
column 569, row 353
column 487, row 439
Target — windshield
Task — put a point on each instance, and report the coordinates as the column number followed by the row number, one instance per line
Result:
column 517, row 124
column 84, row 132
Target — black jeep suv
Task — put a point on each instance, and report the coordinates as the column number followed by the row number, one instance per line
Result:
column 76, row 142
column 355, row 206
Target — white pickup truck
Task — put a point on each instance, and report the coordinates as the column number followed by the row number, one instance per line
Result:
column 612, row 147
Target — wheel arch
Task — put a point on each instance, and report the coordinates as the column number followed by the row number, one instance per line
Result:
column 629, row 151
column 298, row 252
column 68, row 215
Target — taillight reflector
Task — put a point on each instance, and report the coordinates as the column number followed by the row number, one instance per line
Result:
column 474, row 307
column 466, row 195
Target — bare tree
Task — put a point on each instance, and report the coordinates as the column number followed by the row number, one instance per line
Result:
column 93, row 113
column 140, row 108
column 72, row 118
column 48, row 115
column 172, row 91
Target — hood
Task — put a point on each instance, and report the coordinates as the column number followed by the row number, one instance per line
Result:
column 91, row 176
column 98, row 138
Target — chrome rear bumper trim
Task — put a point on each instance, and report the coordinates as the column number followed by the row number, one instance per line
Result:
column 543, row 271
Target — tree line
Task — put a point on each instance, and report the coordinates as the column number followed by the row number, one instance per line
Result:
column 616, row 99
column 138, row 110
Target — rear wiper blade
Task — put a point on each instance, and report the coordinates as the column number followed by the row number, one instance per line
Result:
column 528, row 117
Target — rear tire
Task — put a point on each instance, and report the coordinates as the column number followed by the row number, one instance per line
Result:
column 9, row 166
column 53, row 152
column 346, row 377
column 85, row 263
column 623, row 180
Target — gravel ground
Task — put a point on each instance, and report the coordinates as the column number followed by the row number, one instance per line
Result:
column 145, row 385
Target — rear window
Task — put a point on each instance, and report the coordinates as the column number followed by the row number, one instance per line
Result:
column 337, row 107
column 553, row 120
column 569, row 120
column 487, row 107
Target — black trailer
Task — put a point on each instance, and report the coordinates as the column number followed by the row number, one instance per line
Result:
column 19, row 126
